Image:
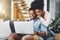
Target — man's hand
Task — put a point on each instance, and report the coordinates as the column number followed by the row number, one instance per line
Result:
column 43, row 34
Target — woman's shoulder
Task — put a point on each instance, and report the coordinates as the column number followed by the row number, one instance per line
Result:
column 46, row 12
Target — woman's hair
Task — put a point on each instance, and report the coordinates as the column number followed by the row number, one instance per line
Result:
column 38, row 4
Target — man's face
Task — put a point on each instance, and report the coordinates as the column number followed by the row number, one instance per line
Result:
column 32, row 14
column 39, row 12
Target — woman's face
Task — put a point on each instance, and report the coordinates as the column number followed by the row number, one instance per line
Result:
column 39, row 12
column 32, row 14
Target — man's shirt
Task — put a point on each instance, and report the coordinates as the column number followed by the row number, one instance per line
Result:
column 39, row 27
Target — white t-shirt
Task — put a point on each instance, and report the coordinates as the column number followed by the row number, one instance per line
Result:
column 47, row 19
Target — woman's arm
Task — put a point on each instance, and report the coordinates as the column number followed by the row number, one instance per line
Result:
column 46, row 21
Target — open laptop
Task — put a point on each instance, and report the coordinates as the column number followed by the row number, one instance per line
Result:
column 24, row 27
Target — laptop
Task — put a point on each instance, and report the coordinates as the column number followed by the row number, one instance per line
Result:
column 24, row 27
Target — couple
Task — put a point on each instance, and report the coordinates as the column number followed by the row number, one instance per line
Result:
column 41, row 22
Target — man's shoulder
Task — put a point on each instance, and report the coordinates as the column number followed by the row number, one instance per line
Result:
column 36, row 19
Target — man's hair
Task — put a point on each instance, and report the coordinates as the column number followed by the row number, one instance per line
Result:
column 38, row 4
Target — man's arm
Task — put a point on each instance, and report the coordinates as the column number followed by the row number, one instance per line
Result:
column 43, row 34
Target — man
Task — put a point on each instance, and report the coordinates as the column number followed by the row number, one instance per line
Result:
column 39, row 6
column 45, row 17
